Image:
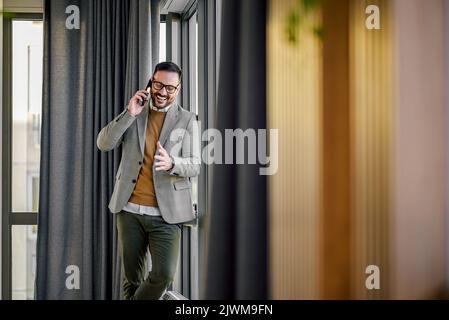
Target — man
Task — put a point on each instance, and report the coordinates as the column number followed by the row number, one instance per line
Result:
column 152, row 192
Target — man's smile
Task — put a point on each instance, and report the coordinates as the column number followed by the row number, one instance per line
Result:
column 160, row 98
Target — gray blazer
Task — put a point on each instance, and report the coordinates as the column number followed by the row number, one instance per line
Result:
column 179, row 136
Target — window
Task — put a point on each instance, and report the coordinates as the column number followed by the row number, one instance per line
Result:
column 162, row 42
column 193, row 63
column 26, row 111
column 193, row 81
column 24, row 261
column 22, row 107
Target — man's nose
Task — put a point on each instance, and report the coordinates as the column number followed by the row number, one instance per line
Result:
column 163, row 91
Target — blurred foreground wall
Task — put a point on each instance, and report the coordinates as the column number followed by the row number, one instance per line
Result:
column 418, row 225
column 363, row 136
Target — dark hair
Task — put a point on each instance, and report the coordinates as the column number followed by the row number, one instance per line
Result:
column 168, row 66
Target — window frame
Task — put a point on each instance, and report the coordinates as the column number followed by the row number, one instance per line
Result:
column 178, row 50
column 190, row 243
column 190, row 277
column 10, row 218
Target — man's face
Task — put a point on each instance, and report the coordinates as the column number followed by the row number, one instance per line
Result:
column 161, row 91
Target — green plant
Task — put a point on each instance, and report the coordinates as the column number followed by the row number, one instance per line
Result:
column 299, row 18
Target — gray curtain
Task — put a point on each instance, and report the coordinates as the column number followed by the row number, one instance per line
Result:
column 89, row 75
column 237, row 247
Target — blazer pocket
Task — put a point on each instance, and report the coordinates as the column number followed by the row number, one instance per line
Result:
column 182, row 184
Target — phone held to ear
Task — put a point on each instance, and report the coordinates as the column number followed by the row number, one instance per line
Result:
column 142, row 102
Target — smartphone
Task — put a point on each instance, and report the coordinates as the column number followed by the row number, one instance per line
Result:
column 146, row 93
column 142, row 102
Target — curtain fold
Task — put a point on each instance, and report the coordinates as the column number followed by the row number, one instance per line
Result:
column 89, row 75
column 237, row 246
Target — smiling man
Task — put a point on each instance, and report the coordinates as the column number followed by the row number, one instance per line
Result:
column 152, row 192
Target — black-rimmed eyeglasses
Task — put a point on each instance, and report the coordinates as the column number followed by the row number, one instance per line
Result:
column 157, row 85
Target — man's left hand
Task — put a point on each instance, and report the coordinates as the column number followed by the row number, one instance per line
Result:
column 164, row 160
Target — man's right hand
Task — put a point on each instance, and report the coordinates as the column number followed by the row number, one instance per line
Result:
column 134, row 107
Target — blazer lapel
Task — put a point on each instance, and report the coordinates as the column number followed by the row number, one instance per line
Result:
column 170, row 120
column 142, row 121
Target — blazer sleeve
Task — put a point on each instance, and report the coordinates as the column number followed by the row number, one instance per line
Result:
column 112, row 134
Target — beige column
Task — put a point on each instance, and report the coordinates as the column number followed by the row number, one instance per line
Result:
column 294, row 107
column 371, row 116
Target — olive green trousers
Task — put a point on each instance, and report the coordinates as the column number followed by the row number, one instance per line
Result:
column 136, row 234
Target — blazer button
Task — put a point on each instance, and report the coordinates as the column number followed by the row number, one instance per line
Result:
column 134, row 180
column 140, row 163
